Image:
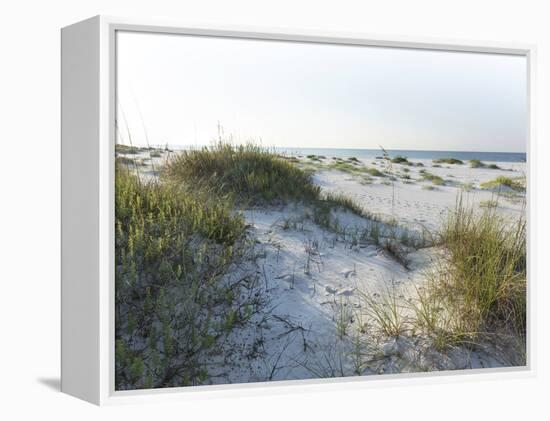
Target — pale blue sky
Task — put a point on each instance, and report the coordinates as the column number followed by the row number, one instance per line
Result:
column 316, row 95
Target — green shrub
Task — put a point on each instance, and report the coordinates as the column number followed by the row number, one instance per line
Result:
column 173, row 247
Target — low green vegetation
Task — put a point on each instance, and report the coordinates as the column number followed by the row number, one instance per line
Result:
column 356, row 169
column 344, row 166
column 317, row 158
column 400, row 160
column 435, row 179
column 448, row 161
column 516, row 184
column 476, row 163
column 173, row 248
column 374, row 172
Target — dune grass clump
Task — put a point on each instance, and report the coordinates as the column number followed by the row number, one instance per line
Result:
column 435, row 179
column 484, row 280
column 355, row 169
column 516, row 184
column 173, row 307
column 374, row 172
column 448, row 161
column 400, row 160
column 250, row 173
column 316, row 158
column 476, row 163
column 344, row 166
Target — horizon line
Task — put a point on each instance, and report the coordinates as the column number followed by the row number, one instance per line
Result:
column 331, row 147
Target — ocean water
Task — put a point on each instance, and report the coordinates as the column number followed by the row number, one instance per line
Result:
column 373, row 153
column 414, row 154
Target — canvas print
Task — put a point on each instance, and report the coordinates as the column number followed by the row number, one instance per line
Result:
column 292, row 210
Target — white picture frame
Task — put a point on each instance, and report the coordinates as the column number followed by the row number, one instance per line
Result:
column 88, row 137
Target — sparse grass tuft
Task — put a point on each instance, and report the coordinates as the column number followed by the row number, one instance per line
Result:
column 385, row 313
